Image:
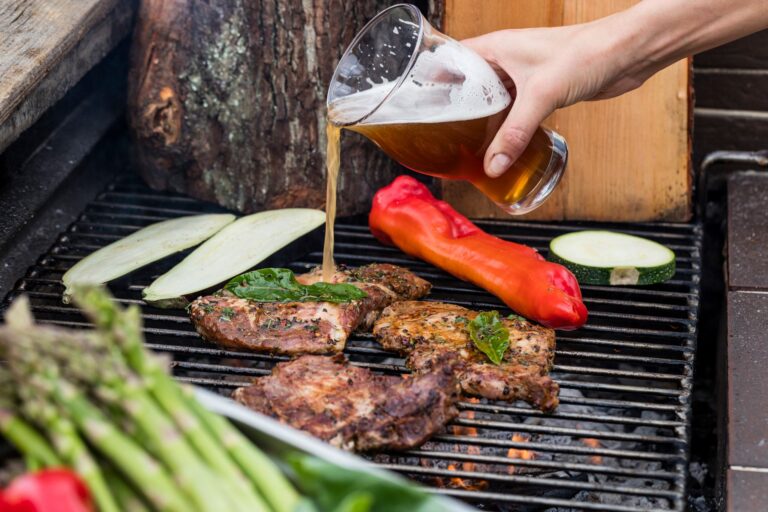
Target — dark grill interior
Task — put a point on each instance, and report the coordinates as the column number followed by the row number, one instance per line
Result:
column 619, row 440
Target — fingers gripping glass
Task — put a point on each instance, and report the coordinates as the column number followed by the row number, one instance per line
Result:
column 434, row 105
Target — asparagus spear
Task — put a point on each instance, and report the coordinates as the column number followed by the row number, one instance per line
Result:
column 119, row 388
column 276, row 488
column 144, row 471
column 124, row 387
column 19, row 432
column 67, row 443
column 129, row 500
column 217, row 432
column 61, row 409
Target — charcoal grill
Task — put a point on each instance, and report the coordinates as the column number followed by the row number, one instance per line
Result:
column 619, row 440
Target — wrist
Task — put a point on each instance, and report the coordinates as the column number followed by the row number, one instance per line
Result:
column 624, row 46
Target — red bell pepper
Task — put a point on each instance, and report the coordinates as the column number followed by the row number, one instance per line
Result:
column 49, row 490
column 407, row 215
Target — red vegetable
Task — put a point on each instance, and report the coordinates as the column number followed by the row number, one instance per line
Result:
column 407, row 215
column 49, row 490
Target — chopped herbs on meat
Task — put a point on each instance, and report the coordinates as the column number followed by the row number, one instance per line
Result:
column 300, row 326
column 489, row 335
column 420, row 331
column 280, row 285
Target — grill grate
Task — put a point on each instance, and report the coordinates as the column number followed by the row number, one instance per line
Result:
column 619, row 440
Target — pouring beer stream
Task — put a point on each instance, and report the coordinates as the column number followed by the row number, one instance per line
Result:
column 434, row 106
column 332, row 160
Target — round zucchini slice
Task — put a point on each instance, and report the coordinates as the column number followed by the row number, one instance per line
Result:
column 610, row 258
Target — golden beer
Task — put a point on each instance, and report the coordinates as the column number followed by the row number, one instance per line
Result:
column 434, row 105
column 455, row 150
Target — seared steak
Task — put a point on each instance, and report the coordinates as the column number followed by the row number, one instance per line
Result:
column 430, row 333
column 384, row 284
column 351, row 407
column 278, row 327
column 304, row 327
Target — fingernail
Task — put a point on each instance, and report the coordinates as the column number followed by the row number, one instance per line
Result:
column 499, row 163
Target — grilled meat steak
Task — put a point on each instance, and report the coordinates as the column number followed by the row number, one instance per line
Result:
column 431, row 332
column 351, row 407
column 278, row 327
column 304, row 327
column 384, row 284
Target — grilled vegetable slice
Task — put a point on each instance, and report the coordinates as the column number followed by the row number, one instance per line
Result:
column 607, row 257
column 407, row 215
column 143, row 247
column 235, row 249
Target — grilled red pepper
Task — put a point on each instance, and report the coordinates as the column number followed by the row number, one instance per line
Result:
column 49, row 490
column 407, row 215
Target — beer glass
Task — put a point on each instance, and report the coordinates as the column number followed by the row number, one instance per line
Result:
column 434, row 105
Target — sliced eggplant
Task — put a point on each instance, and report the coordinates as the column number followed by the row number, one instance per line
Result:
column 235, row 249
column 143, row 247
column 610, row 258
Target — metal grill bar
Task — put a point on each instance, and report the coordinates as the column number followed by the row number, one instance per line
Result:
column 479, row 441
column 620, row 433
column 549, row 482
column 495, row 497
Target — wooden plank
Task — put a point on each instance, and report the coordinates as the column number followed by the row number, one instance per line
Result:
column 46, row 47
column 629, row 156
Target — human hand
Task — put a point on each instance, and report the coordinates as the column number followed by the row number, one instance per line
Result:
column 549, row 68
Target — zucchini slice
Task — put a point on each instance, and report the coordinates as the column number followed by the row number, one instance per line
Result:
column 610, row 258
column 147, row 245
column 235, row 249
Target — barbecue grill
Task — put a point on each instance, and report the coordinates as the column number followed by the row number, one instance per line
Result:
column 619, row 440
column 638, row 428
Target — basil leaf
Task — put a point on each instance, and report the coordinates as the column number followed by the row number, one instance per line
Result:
column 330, row 486
column 489, row 335
column 280, row 285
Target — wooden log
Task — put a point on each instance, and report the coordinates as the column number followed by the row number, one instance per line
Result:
column 227, row 101
column 46, row 46
column 629, row 156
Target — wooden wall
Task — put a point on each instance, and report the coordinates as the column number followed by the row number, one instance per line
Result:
column 629, row 157
column 730, row 86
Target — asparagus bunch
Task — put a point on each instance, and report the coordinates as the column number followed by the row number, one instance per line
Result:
column 98, row 402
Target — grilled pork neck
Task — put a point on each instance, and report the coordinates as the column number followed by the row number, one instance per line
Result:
column 351, row 407
column 432, row 332
column 304, row 327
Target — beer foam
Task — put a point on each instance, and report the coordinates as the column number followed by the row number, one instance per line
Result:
column 449, row 83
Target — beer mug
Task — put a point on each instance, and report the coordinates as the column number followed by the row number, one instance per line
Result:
column 434, row 105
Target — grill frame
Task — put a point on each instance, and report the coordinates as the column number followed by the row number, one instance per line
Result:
column 613, row 337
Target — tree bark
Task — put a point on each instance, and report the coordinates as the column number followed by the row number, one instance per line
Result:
column 227, row 101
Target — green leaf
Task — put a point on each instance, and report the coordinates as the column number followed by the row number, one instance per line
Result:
column 356, row 502
column 280, row 285
column 335, row 488
column 489, row 335
column 513, row 316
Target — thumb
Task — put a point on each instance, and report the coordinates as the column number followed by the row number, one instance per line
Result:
column 515, row 133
